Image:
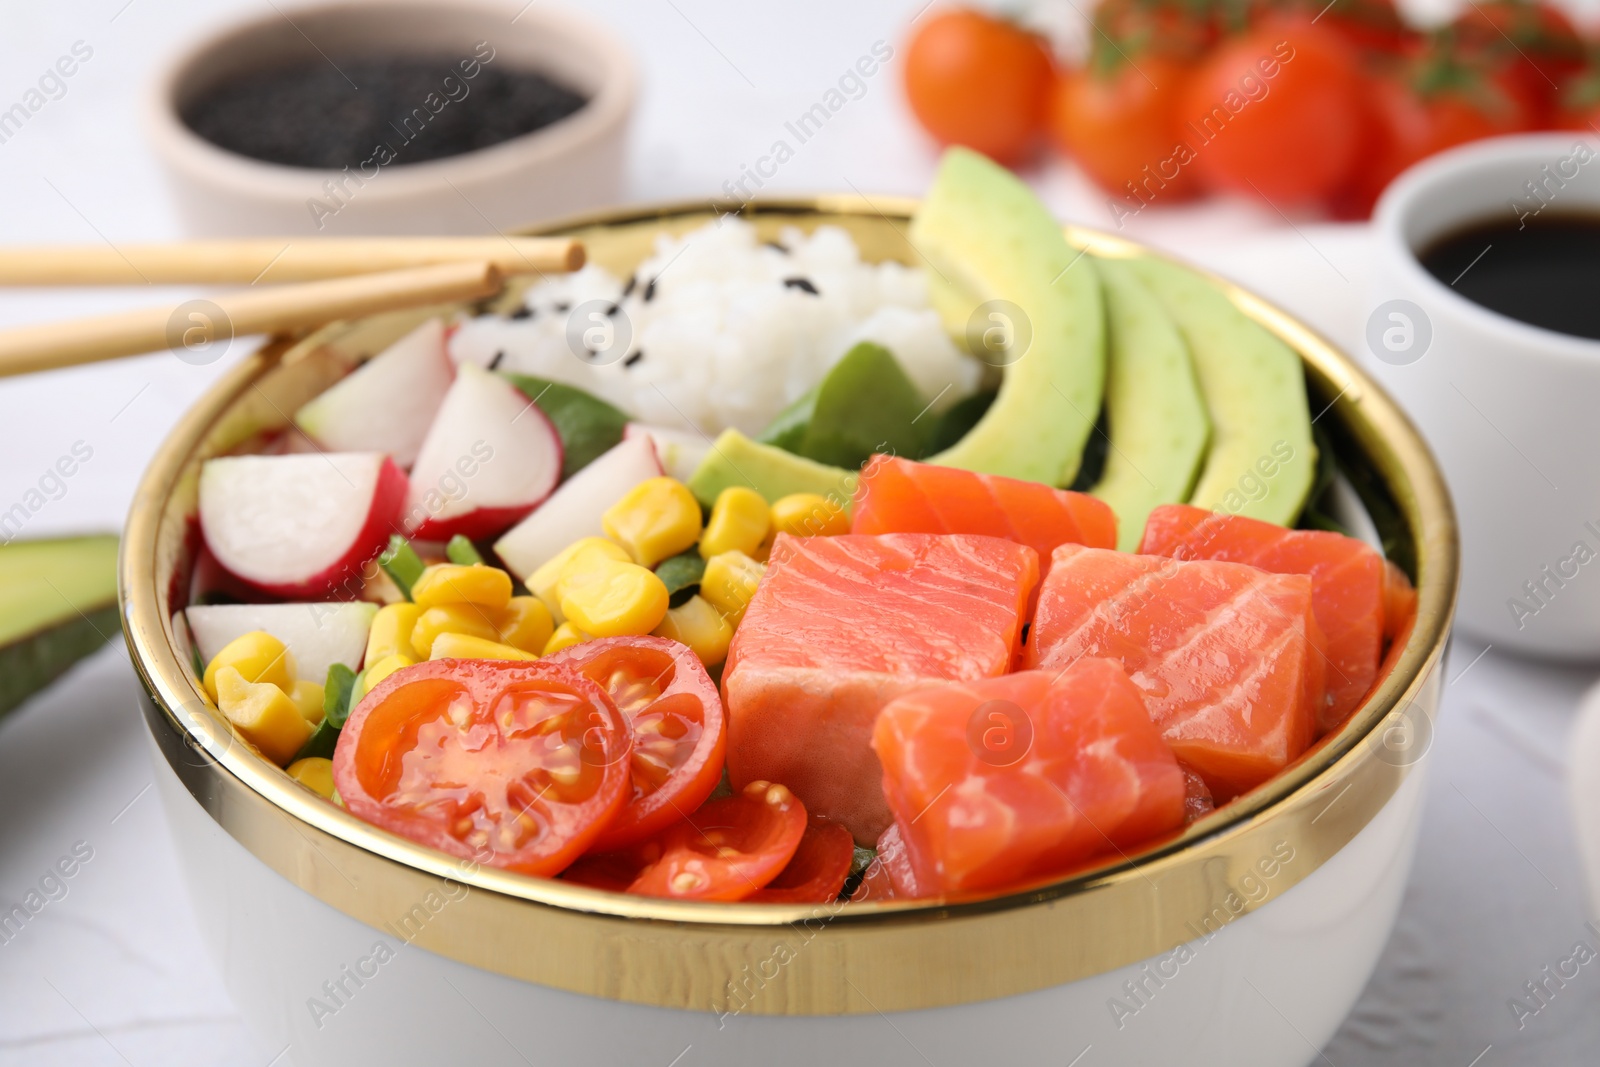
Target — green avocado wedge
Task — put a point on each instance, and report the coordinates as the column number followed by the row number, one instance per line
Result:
column 734, row 459
column 1262, row 460
column 1154, row 411
column 58, row 603
column 990, row 243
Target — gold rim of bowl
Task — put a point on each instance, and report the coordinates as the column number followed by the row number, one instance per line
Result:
column 785, row 959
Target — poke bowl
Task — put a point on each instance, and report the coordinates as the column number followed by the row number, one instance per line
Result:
column 1232, row 915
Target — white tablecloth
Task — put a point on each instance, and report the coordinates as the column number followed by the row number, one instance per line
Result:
column 112, row 972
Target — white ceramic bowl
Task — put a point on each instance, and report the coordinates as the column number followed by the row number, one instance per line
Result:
column 1242, row 941
column 572, row 165
column 1509, row 408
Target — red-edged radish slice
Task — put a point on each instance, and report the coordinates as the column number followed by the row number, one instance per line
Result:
column 574, row 510
column 679, row 451
column 319, row 635
column 489, row 458
column 388, row 403
column 296, row 526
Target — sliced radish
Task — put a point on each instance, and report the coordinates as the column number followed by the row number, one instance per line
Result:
column 574, row 510
column 388, row 403
column 489, row 458
column 679, row 451
column 319, row 635
column 296, row 526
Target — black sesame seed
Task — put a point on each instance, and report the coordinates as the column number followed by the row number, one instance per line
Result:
column 650, row 291
column 627, row 290
column 494, row 364
column 774, row 244
column 523, row 312
column 563, row 306
column 631, row 360
column 803, row 284
column 612, row 310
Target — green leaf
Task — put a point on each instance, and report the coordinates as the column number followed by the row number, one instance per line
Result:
column 587, row 425
column 462, row 551
column 961, row 416
column 401, row 562
column 682, row 574
column 320, row 745
column 865, row 404
column 336, row 694
column 788, row 429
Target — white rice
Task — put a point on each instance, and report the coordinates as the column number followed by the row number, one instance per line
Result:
column 723, row 341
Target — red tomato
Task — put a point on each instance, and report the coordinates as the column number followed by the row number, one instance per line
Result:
column 818, row 870
column 1578, row 106
column 679, row 729
column 978, row 81
column 517, row 765
column 1119, row 120
column 1276, row 113
column 1531, row 45
column 727, row 850
column 1176, row 29
column 1368, row 25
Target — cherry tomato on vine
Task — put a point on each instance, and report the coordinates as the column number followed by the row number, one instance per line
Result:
column 1532, row 47
column 979, row 81
column 1119, row 119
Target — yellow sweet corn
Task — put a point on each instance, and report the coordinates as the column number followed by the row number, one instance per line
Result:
column 700, row 626
column 461, row 646
column 655, row 519
column 315, row 773
column 729, row 583
column 308, row 697
column 740, row 520
column 258, row 657
column 452, row 583
column 544, row 582
column 469, row 619
column 809, row 515
column 368, row 679
column 390, row 633
column 263, row 714
column 565, row 636
column 611, row 599
column 525, row 624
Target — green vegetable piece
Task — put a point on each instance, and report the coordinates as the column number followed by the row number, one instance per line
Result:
column 587, row 425
column 336, row 694
column 961, row 417
column 58, row 603
column 864, row 404
column 462, row 551
column 401, row 562
column 682, row 574
column 734, row 459
column 323, row 740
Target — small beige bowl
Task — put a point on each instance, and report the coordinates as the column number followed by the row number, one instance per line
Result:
column 569, row 166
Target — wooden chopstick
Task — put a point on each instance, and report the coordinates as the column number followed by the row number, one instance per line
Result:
column 274, row 260
column 190, row 328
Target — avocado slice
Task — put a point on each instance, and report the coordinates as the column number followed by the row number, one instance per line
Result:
column 1262, row 460
column 1154, row 410
column 58, row 603
column 988, row 238
column 734, row 459
column 864, row 404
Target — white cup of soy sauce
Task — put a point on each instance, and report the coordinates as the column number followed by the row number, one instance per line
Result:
column 1484, row 322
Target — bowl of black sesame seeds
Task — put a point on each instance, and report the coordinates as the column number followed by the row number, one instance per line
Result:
column 394, row 116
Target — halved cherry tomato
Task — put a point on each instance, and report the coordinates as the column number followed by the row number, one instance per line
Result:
column 516, row 765
column 818, row 870
column 976, row 80
column 727, row 850
column 679, row 729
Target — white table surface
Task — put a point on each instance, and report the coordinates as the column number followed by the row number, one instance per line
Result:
column 114, row 972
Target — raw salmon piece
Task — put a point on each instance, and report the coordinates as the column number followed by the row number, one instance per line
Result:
column 838, row 627
column 1399, row 601
column 1002, row 780
column 1227, row 655
column 899, row 496
column 1347, row 586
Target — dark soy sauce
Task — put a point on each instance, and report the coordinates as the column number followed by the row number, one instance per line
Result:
column 1546, row 273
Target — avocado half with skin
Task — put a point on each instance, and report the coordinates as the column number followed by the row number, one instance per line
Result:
column 58, row 603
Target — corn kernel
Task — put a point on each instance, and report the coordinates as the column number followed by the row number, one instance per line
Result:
column 390, row 633
column 809, row 515
column 700, row 626
column 544, row 582
column 565, row 636
column 525, row 624
column 740, row 520
column 263, row 714
column 452, row 583
column 611, row 599
column 368, row 680
column 315, row 773
column 461, row 646
column 729, row 583
column 258, row 657
column 655, row 519
column 469, row 619
column 308, row 696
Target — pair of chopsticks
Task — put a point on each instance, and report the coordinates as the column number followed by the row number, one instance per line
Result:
column 322, row 280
